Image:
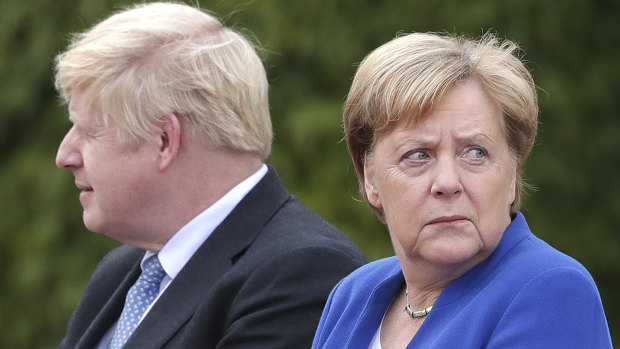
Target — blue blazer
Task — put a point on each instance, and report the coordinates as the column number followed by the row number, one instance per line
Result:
column 259, row 281
column 525, row 295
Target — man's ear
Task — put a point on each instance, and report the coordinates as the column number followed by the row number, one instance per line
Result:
column 370, row 186
column 169, row 141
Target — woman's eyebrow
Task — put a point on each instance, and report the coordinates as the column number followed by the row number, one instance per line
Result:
column 476, row 136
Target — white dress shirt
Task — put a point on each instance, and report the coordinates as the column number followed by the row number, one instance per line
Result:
column 182, row 246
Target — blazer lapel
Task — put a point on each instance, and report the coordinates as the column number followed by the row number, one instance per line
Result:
column 110, row 311
column 213, row 259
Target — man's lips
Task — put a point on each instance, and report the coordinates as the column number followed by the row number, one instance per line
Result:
column 83, row 187
column 86, row 192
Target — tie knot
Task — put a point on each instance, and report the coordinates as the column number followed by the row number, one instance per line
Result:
column 153, row 271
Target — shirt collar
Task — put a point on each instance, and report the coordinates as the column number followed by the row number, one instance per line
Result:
column 182, row 246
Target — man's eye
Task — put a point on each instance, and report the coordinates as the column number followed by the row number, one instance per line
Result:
column 86, row 134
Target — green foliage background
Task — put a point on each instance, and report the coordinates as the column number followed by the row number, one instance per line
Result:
column 312, row 48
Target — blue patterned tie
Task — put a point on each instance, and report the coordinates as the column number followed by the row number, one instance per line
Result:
column 139, row 297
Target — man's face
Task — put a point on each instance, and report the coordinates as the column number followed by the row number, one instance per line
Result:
column 118, row 190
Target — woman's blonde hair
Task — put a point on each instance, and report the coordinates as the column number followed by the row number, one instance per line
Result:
column 159, row 58
column 404, row 78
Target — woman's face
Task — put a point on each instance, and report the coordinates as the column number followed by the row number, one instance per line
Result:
column 445, row 184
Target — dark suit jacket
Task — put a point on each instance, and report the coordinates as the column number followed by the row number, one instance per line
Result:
column 259, row 281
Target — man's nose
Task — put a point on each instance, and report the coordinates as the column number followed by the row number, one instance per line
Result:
column 68, row 156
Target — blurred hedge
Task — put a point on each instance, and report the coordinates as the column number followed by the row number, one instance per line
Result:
column 312, row 48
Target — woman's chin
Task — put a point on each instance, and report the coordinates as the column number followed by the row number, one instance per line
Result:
column 453, row 253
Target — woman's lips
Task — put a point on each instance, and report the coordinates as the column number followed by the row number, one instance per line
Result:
column 448, row 220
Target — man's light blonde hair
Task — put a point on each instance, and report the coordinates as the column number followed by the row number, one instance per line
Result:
column 404, row 78
column 154, row 59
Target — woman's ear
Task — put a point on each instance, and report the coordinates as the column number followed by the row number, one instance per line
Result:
column 370, row 186
column 169, row 141
column 514, row 182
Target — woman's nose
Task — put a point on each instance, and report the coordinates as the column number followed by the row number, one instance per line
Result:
column 446, row 181
column 68, row 156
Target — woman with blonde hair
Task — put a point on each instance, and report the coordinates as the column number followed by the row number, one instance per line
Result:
column 439, row 128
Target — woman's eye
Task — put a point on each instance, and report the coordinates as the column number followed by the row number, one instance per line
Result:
column 477, row 153
column 417, row 155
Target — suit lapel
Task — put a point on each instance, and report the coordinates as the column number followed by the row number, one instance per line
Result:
column 213, row 259
column 111, row 310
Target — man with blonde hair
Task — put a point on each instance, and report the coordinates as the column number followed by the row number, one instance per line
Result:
column 170, row 134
